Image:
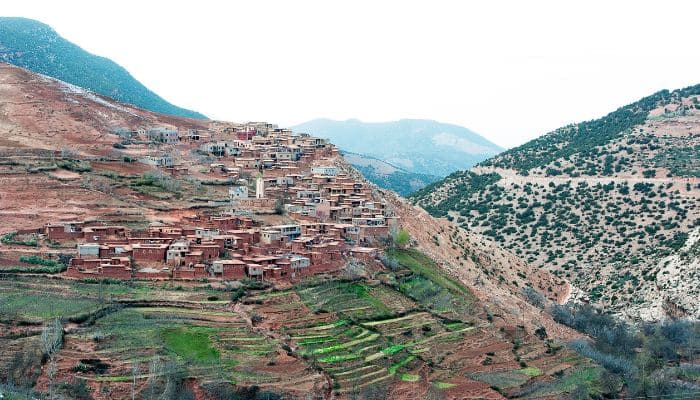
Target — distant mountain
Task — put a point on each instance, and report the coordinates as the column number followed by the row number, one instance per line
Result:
column 389, row 176
column 414, row 145
column 37, row 47
column 612, row 204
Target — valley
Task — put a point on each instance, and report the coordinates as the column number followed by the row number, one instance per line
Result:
column 147, row 252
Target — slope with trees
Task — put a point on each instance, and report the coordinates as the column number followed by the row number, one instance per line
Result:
column 37, row 47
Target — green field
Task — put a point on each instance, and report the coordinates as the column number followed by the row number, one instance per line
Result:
column 191, row 343
column 18, row 304
column 430, row 287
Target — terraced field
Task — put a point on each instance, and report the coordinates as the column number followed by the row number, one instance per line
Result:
column 117, row 346
column 213, row 345
column 360, row 335
column 408, row 333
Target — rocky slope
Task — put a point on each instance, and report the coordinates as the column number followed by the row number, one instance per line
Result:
column 33, row 45
column 43, row 120
column 602, row 202
column 40, row 112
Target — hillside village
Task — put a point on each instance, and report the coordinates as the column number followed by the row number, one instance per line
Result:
column 332, row 215
column 150, row 252
column 238, row 256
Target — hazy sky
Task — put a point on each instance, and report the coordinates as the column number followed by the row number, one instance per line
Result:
column 510, row 70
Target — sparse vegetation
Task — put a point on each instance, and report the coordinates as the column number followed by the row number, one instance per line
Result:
column 643, row 359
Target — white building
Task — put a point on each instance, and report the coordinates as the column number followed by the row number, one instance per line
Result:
column 269, row 235
column 327, row 170
column 206, row 232
column 298, row 262
column 291, row 231
column 88, row 250
column 177, row 251
column 259, row 188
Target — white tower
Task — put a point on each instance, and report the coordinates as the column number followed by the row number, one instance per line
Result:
column 259, row 187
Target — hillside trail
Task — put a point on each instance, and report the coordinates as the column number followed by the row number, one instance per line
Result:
column 244, row 312
column 512, row 176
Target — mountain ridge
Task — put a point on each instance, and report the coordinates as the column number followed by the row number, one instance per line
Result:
column 36, row 46
column 416, row 145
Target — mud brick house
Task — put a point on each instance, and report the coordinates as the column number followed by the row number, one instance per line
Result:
column 115, row 267
column 163, row 135
column 208, row 250
column 193, row 257
column 246, row 236
column 225, row 241
column 165, row 231
column 195, row 271
column 229, row 269
column 159, row 161
column 149, row 252
column 274, row 273
column 108, row 250
column 100, row 233
column 254, row 271
column 64, row 231
column 246, row 134
column 231, row 222
column 302, row 243
column 366, row 254
column 177, row 171
column 371, row 229
column 177, row 252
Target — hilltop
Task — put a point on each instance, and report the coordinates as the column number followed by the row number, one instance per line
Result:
column 604, row 203
column 37, row 47
column 413, row 146
column 141, row 238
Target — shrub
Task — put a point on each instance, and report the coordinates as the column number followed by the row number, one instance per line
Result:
column 534, row 297
column 401, row 238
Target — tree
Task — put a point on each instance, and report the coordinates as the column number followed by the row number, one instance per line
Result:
column 279, row 206
column 134, row 375
column 51, row 342
column 401, row 238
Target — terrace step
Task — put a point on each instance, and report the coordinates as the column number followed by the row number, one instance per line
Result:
column 365, row 384
column 372, row 374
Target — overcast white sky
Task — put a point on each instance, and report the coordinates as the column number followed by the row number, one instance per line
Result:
column 510, row 70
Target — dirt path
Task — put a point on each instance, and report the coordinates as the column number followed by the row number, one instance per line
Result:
column 511, row 176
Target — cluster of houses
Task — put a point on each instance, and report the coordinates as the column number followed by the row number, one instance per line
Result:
column 330, row 217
